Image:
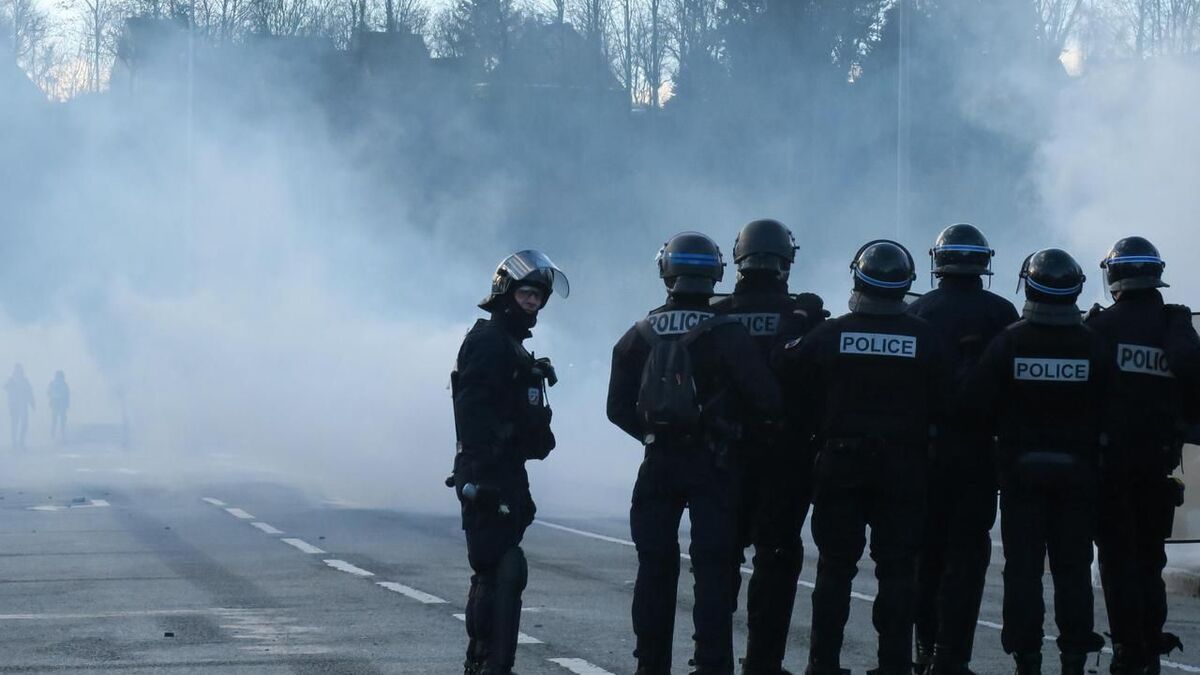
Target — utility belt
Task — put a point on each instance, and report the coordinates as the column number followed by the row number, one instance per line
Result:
column 715, row 437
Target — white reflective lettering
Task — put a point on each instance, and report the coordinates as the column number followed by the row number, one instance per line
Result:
column 879, row 344
column 1051, row 370
column 759, row 324
column 676, row 322
column 1143, row 360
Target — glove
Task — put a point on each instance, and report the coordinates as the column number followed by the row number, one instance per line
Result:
column 1095, row 309
column 1179, row 312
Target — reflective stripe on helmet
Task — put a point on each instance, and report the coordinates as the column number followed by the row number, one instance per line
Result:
column 963, row 248
column 693, row 258
column 1135, row 260
column 1050, row 290
column 881, row 283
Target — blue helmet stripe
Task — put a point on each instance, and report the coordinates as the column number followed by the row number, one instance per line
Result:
column 1135, row 259
column 880, row 283
column 1050, row 290
column 963, row 248
column 694, row 258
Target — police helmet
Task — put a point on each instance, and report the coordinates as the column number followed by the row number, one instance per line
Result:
column 690, row 263
column 526, row 268
column 1133, row 263
column 961, row 249
column 883, row 268
column 766, row 245
column 1051, row 275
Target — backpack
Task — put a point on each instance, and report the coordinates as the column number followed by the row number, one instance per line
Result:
column 667, row 396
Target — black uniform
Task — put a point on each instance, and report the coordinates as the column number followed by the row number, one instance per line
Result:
column 776, row 471
column 1158, row 359
column 873, row 383
column 689, row 472
column 501, row 421
column 1044, row 388
column 962, row 492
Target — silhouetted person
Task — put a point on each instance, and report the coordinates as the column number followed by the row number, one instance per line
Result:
column 60, row 399
column 20, row 402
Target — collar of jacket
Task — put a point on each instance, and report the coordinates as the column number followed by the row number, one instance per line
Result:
column 861, row 303
column 1048, row 314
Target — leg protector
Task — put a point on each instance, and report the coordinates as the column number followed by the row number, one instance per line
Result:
column 512, row 573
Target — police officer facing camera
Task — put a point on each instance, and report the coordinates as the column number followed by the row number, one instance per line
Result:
column 1158, row 359
column 684, row 383
column 502, row 420
column 1043, row 385
column 870, row 386
column 775, row 468
column 961, row 509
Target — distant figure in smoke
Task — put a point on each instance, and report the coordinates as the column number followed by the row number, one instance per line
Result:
column 502, row 420
column 60, row 399
column 20, row 402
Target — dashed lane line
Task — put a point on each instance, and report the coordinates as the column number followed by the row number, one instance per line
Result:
column 266, row 528
column 580, row 667
column 808, row 584
column 346, row 567
column 522, row 639
column 304, row 546
column 214, row 502
column 409, row 591
column 238, row 513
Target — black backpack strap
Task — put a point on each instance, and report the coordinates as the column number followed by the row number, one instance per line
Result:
column 706, row 326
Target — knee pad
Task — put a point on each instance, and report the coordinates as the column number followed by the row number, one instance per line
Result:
column 512, row 572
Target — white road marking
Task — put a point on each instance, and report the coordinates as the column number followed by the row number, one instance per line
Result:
column 100, row 615
column 238, row 513
column 584, row 533
column 266, row 528
column 92, row 504
column 348, row 568
column 522, row 639
column 580, row 667
column 419, row 596
column 214, row 502
column 808, row 584
column 304, row 546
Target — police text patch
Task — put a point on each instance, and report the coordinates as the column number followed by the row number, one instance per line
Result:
column 759, row 324
column 879, row 344
column 676, row 322
column 1142, row 359
column 1051, row 370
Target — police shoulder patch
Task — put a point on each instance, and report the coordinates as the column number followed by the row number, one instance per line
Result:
column 792, row 344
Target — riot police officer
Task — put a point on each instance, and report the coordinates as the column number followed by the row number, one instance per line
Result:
column 683, row 383
column 1158, row 356
column 961, row 509
column 1043, row 386
column 502, row 420
column 775, row 468
column 874, row 383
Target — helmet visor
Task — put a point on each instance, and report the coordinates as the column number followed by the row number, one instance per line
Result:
column 536, row 267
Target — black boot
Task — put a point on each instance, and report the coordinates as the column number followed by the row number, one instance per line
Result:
column 923, row 658
column 751, row 668
column 1028, row 664
column 472, row 667
column 1126, row 661
column 1073, row 663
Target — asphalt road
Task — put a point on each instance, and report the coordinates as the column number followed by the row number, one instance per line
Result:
column 114, row 575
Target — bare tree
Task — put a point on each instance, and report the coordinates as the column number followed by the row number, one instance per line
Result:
column 1059, row 19
column 649, row 53
column 99, row 22
column 26, row 27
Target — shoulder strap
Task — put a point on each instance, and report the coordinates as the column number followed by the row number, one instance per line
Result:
column 706, row 326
